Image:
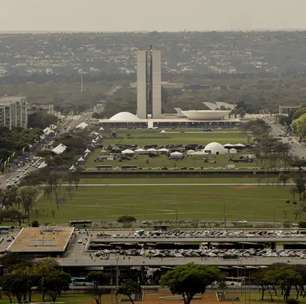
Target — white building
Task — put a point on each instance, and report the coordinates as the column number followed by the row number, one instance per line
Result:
column 149, row 83
column 13, row 112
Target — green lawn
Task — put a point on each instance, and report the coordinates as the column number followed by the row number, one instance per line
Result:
column 143, row 137
column 178, row 180
column 243, row 202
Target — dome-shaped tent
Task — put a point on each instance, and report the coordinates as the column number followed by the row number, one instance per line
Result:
column 215, row 149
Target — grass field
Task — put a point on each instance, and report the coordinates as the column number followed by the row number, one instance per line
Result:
column 168, row 202
column 143, row 137
column 178, row 180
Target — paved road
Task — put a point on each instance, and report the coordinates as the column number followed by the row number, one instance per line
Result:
column 296, row 148
column 86, row 260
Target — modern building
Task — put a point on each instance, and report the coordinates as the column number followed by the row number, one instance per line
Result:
column 42, row 240
column 149, row 83
column 13, row 112
column 205, row 114
column 287, row 110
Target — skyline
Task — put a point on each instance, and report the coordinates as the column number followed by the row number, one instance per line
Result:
column 143, row 16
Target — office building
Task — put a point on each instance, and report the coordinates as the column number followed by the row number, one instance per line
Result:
column 149, row 84
column 13, row 112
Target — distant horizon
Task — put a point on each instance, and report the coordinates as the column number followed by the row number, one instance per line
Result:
column 259, row 30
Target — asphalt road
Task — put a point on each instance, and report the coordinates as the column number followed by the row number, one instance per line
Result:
column 297, row 149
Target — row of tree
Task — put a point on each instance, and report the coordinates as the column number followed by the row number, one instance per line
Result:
column 282, row 279
column 17, row 203
column 269, row 150
column 45, row 277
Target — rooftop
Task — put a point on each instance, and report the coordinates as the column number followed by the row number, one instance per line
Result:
column 41, row 240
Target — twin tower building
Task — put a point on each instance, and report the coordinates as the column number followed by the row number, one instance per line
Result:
column 149, row 84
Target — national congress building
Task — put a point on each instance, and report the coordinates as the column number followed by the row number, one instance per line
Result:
column 149, row 83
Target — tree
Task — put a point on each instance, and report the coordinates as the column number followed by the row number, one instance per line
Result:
column 55, row 282
column 190, row 279
column 35, row 223
column 27, row 195
column 299, row 182
column 98, row 278
column 126, row 219
column 299, row 126
column 43, row 268
column 130, row 289
column 41, row 120
column 282, row 277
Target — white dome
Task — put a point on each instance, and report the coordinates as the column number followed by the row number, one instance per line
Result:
column 215, row 148
column 124, row 117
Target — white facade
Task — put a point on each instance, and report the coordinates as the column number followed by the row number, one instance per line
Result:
column 156, row 84
column 13, row 112
column 149, row 83
column 206, row 114
column 142, row 84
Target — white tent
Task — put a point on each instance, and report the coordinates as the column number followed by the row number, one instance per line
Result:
column 140, row 151
column 152, row 150
column 72, row 168
column 215, row 149
column 128, row 152
column 190, row 152
column 241, row 146
column 198, row 153
column 81, row 159
column 59, row 149
column 42, row 165
column 176, row 155
column 82, row 126
column 163, row 150
column 233, row 151
column 87, row 151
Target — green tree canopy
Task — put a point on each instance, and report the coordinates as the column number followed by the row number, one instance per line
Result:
column 190, row 279
column 299, row 126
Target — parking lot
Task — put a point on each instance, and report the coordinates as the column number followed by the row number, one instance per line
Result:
column 212, row 247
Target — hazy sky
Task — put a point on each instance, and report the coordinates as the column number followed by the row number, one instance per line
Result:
column 149, row 15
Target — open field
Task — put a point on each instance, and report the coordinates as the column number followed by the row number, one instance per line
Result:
column 168, row 202
column 178, row 180
column 143, row 137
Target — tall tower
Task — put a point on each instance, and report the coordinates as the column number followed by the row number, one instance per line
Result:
column 148, row 83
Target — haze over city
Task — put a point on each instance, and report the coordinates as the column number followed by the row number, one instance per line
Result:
column 159, row 15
